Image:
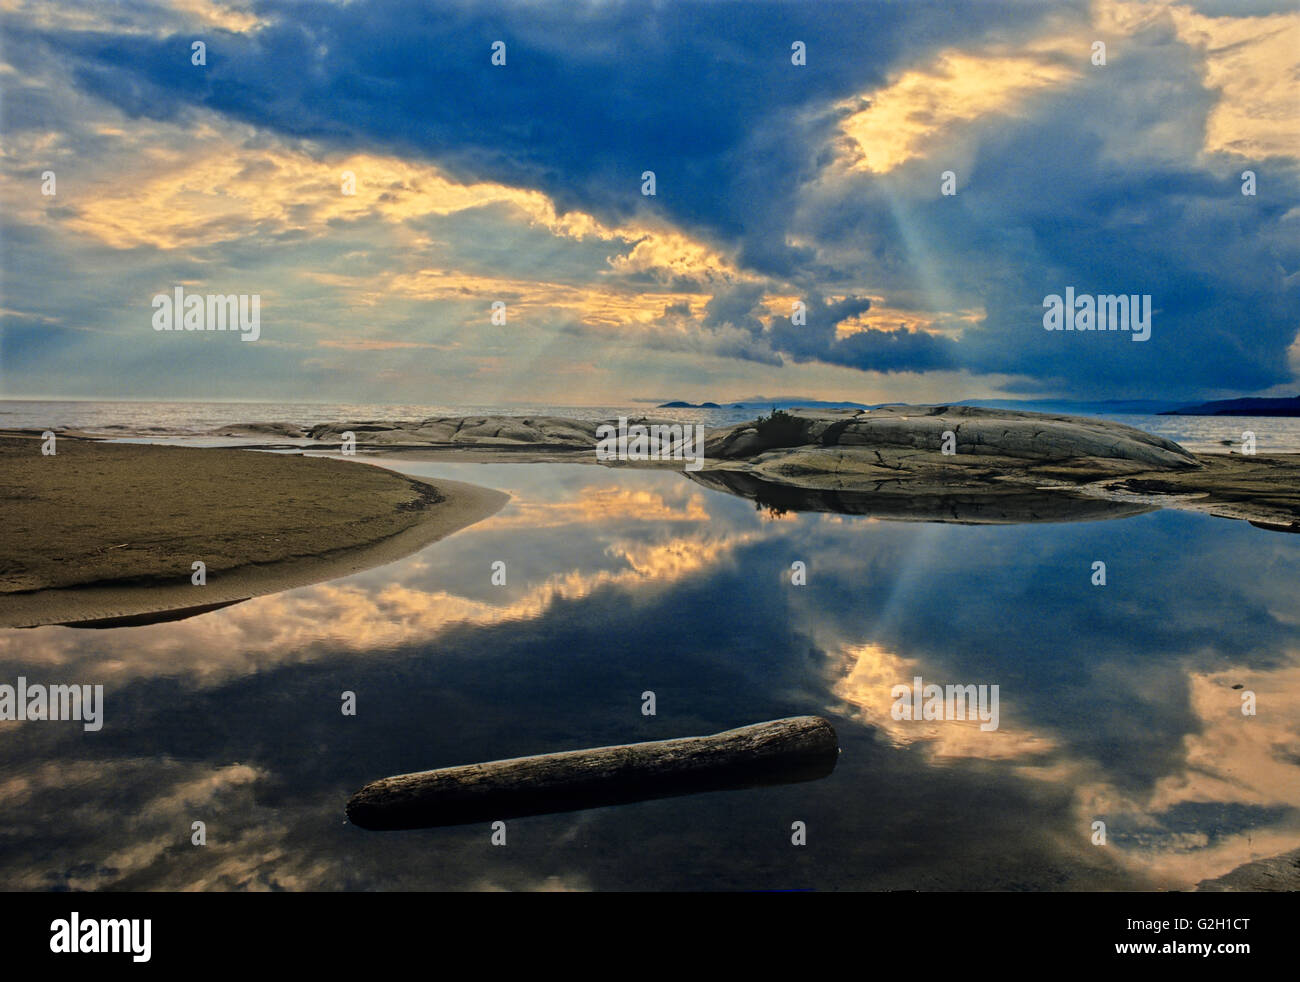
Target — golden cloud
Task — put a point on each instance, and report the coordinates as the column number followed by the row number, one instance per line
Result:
column 904, row 118
column 1253, row 64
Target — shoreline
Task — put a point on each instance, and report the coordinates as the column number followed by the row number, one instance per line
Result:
column 894, row 462
column 270, row 522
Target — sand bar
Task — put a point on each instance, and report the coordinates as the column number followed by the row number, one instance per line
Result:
column 109, row 532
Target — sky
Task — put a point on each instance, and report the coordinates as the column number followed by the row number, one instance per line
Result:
column 775, row 183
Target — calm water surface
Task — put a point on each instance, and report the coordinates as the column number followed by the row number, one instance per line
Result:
column 1117, row 703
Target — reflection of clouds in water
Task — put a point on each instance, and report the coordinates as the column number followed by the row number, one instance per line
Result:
column 302, row 625
column 250, row 845
column 1106, row 668
column 1259, row 753
column 50, row 808
column 1242, row 773
column 1122, row 693
column 869, row 674
column 1115, row 702
column 1251, row 764
column 594, row 504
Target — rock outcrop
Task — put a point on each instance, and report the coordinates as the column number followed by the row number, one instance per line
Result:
column 540, row 432
column 906, row 431
column 1278, row 873
column 893, row 437
column 930, row 463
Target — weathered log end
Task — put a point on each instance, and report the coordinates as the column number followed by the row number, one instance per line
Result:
column 783, row 751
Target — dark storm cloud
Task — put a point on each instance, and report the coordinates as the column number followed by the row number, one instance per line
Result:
column 870, row 349
column 590, row 97
column 1103, row 185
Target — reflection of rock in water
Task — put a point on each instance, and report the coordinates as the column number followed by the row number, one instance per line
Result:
column 992, row 507
column 1277, row 526
column 785, row 751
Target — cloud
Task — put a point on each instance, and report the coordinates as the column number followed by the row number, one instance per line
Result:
column 775, row 181
column 903, row 120
column 867, row 348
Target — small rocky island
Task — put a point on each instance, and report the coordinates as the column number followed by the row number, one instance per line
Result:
column 925, row 463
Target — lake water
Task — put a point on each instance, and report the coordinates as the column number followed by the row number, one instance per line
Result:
column 1118, row 703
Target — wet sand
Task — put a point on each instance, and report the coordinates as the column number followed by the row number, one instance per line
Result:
column 109, row 532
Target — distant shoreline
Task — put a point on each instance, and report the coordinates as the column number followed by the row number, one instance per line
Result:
column 1253, row 406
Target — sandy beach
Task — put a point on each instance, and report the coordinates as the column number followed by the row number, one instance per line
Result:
column 107, row 533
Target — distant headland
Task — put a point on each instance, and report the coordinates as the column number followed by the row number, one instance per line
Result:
column 1254, row 406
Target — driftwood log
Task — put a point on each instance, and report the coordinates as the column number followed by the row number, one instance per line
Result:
column 783, row 751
